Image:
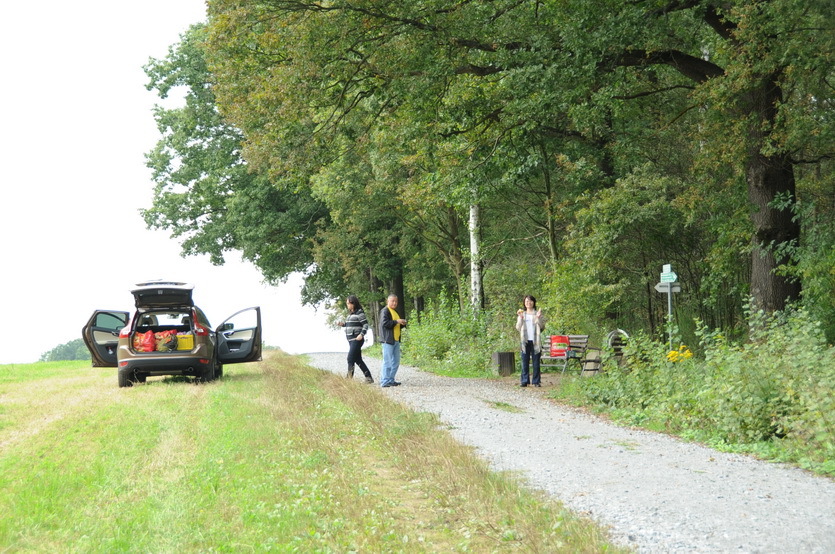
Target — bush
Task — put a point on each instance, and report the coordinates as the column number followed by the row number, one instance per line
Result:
column 773, row 393
column 448, row 341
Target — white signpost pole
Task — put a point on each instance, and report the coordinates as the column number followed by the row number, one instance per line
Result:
column 669, row 285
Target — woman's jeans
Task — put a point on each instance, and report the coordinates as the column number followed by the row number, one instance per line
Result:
column 355, row 356
column 391, row 361
column 527, row 353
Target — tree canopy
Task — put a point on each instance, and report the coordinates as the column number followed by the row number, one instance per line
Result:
column 353, row 139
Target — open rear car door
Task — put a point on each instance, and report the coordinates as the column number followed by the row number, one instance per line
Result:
column 101, row 335
column 239, row 337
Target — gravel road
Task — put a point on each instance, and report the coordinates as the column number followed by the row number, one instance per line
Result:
column 655, row 493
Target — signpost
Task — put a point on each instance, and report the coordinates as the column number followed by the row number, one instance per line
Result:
column 669, row 284
column 668, row 287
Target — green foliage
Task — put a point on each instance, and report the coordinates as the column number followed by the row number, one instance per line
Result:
column 601, row 140
column 816, row 266
column 773, row 394
column 450, row 341
column 206, row 195
column 73, row 350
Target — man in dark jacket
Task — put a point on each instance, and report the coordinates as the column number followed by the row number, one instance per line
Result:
column 390, row 326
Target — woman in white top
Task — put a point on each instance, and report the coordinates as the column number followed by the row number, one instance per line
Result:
column 529, row 323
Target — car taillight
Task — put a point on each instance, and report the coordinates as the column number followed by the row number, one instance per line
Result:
column 200, row 330
column 124, row 333
column 122, row 364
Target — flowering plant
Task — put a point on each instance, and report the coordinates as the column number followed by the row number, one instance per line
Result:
column 683, row 353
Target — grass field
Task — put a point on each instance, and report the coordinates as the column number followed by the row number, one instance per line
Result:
column 276, row 456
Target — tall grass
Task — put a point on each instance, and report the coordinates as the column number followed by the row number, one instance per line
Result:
column 772, row 395
column 274, row 457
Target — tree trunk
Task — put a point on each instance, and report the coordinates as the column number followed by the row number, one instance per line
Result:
column 454, row 255
column 397, row 289
column 550, row 201
column 770, row 178
column 476, row 290
column 375, row 305
column 419, row 306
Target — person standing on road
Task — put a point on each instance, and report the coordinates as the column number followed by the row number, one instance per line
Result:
column 356, row 328
column 529, row 323
column 391, row 325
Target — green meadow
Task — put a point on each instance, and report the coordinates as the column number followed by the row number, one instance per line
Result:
column 276, row 456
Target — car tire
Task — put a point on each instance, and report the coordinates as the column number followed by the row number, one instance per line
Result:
column 208, row 374
column 125, row 379
column 218, row 370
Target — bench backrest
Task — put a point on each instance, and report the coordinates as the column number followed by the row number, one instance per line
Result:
column 558, row 346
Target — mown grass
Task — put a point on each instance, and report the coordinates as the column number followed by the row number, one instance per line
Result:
column 275, row 457
column 40, row 370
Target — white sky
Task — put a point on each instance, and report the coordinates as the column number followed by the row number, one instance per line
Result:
column 76, row 123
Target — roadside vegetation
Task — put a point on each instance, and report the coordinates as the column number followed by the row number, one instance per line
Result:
column 772, row 396
column 275, row 456
column 770, row 393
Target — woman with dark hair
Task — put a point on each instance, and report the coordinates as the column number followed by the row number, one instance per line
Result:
column 356, row 327
column 529, row 323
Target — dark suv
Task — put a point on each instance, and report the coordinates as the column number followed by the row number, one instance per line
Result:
column 169, row 335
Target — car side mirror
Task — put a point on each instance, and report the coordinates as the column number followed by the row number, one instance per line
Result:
column 227, row 327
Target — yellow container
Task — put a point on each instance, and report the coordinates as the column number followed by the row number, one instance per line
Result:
column 185, row 342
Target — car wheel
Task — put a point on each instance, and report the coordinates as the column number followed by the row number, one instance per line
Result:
column 208, row 373
column 219, row 370
column 125, row 379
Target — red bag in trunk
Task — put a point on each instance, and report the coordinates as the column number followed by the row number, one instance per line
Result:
column 148, row 342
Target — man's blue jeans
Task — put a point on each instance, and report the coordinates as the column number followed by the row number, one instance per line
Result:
column 391, row 362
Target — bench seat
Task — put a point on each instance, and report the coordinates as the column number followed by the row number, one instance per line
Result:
column 587, row 357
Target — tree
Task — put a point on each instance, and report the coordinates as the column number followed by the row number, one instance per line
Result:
column 205, row 193
column 742, row 59
column 73, row 350
column 480, row 101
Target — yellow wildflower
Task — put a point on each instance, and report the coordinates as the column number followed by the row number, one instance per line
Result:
column 683, row 353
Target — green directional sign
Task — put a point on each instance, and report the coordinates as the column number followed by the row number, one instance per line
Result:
column 669, row 277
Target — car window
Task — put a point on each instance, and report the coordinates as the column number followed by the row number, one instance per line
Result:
column 244, row 320
column 170, row 318
column 202, row 319
column 107, row 320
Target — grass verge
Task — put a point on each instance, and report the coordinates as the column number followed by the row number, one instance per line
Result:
column 275, row 457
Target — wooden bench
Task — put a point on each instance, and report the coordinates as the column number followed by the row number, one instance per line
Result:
column 587, row 357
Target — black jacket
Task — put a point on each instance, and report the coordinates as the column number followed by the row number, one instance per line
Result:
column 387, row 326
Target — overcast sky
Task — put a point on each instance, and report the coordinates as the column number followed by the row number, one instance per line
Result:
column 76, row 124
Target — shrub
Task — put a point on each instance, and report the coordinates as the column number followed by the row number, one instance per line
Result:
column 451, row 342
column 773, row 392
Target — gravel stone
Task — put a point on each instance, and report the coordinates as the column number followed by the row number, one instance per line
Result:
column 655, row 493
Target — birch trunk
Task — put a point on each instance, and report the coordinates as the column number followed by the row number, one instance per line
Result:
column 476, row 291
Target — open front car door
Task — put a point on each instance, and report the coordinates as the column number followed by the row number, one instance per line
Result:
column 101, row 335
column 239, row 337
